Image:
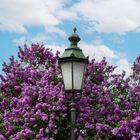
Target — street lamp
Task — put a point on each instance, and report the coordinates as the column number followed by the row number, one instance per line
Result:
column 72, row 64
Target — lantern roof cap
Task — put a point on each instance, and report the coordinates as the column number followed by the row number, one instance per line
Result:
column 73, row 51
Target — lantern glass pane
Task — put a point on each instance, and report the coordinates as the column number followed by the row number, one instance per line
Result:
column 66, row 68
column 78, row 72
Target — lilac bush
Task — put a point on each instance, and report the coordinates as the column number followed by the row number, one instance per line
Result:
column 103, row 102
column 33, row 100
column 33, row 104
column 109, row 107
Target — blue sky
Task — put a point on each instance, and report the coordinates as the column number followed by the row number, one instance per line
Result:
column 109, row 28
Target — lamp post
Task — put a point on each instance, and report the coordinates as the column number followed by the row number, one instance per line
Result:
column 72, row 64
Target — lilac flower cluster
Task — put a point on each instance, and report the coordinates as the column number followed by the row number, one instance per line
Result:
column 33, row 104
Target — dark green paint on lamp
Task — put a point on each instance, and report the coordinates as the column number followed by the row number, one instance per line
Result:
column 73, row 51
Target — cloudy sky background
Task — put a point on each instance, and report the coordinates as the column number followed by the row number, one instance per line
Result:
column 108, row 28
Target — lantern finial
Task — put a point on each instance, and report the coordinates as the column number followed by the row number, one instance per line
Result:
column 73, row 51
column 74, row 29
column 74, row 38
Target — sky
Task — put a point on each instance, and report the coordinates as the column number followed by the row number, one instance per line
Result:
column 107, row 28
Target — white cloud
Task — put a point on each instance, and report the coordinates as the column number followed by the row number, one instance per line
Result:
column 40, row 38
column 123, row 64
column 56, row 30
column 110, row 15
column 12, row 26
column 98, row 51
column 119, row 16
column 55, row 48
column 17, row 15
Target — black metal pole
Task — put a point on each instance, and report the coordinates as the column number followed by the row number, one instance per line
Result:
column 73, row 119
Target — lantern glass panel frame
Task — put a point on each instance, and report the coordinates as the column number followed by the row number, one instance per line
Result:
column 73, row 70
